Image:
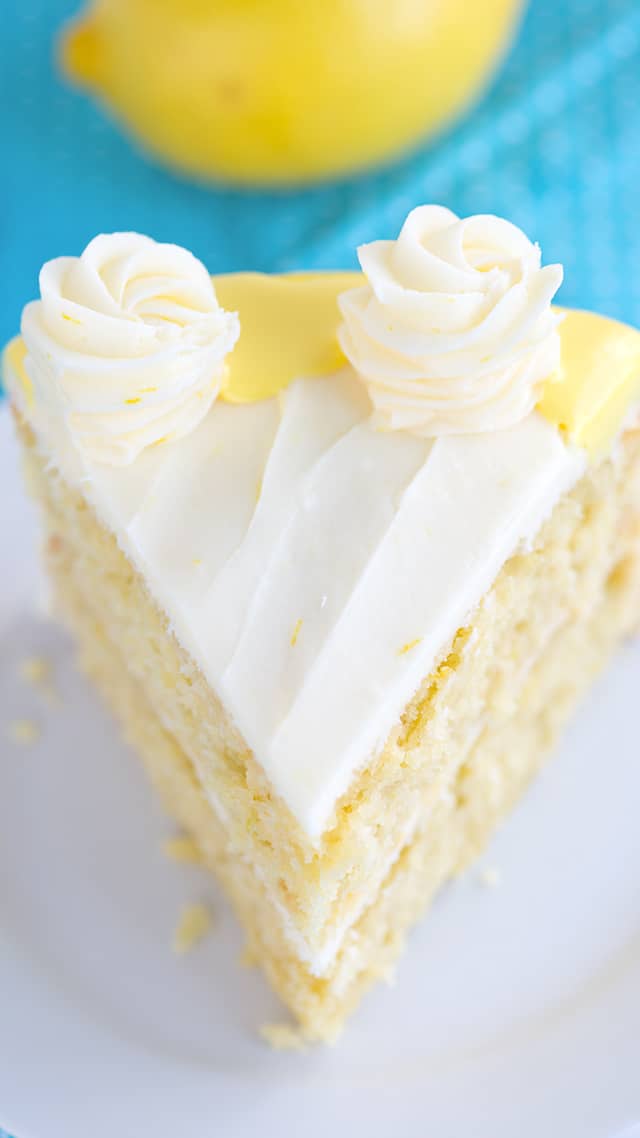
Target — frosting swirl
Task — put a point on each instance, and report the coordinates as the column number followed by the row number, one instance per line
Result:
column 128, row 342
column 453, row 332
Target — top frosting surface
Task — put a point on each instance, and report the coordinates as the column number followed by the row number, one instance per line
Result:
column 127, row 343
column 453, row 331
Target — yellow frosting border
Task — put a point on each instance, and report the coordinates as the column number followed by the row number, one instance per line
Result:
column 288, row 329
column 599, row 382
column 289, row 325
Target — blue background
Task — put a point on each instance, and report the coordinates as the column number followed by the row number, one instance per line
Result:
column 554, row 145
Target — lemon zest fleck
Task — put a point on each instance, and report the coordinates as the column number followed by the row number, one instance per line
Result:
column 409, row 645
column 296, row 632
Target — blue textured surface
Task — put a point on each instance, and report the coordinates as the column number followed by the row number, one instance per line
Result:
column 555, row 146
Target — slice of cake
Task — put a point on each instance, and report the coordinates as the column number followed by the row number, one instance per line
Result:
column 342, row 552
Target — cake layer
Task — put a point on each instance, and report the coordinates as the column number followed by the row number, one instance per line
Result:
column 343, row 585
column 606, row 537
column 316, row 896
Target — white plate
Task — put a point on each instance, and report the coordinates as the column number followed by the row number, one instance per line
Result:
column 516, row 1009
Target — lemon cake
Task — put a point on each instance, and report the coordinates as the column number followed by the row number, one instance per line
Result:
column 342, row 551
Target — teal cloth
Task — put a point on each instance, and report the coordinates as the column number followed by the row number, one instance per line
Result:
column 554, row 145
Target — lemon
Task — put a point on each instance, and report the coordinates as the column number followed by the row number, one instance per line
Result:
column 283, row 91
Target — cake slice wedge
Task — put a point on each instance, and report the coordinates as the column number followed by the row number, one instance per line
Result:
column 341, row 551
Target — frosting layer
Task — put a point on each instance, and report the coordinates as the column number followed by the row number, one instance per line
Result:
column 315, row 567
column 127, row 343
column 453, row 331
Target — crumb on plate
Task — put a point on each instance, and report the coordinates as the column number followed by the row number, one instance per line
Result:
column 35, row 669
column 195, row 922
column 249, row 957
column 283, row 1037
column 490, row 877
column 182, row 849
column 38, row 671
column 23, row 732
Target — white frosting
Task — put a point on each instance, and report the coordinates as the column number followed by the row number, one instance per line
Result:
column 315, row 567
column 454, row 331
column 127, row 343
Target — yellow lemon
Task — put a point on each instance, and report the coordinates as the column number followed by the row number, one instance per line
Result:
column 285, row 90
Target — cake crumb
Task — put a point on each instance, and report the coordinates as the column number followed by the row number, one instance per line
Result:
column 249, row 957
column 35, row 670
column 490, row 877
column 54, row 544
column 38, row 671
column 283, row 1037
column 183, row 849
column 23, row 732
column 195, row 922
